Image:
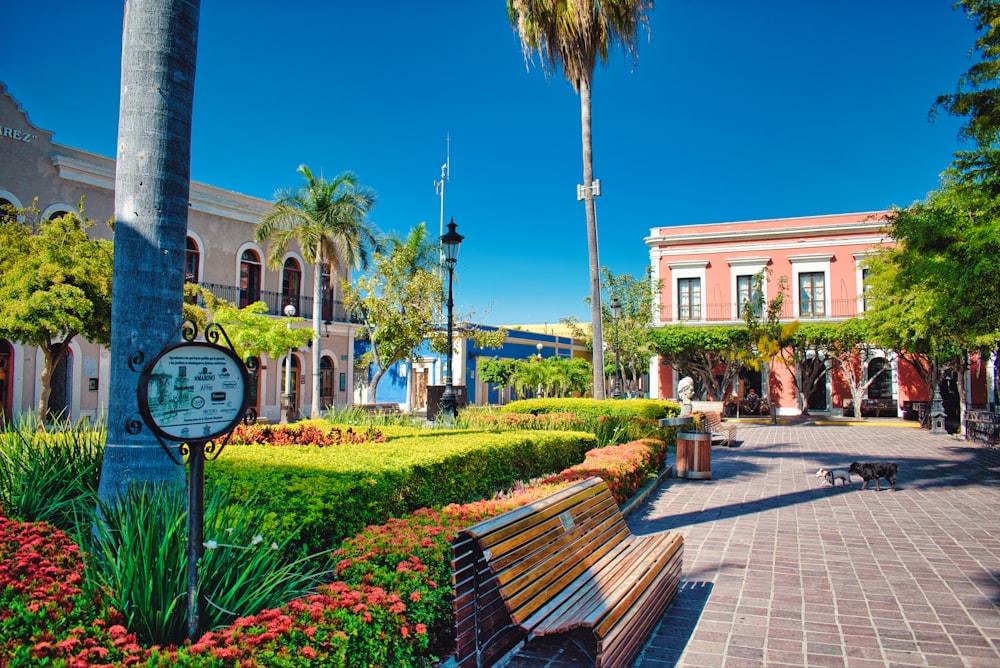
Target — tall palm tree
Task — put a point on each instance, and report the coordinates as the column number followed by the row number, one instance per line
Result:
column 329, row 220
column 152, row 184
column 573, row 35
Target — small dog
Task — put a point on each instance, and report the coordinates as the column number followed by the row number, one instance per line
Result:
column 835, row 474
column 876, row 471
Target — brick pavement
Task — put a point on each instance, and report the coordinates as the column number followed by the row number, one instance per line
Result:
column 782, row 570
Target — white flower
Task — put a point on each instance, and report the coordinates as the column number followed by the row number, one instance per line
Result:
column 210, row 545
column 274, row 546
column 257, row 540
column 229, row 530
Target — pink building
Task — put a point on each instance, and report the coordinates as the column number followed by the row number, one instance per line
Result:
column 707, row 272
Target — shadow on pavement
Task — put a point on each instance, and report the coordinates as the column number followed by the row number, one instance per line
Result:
column 681, row 618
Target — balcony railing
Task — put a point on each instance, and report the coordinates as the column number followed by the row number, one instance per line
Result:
column 276, row 303
column 724, row 312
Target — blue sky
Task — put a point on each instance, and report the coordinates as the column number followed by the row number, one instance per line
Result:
column 736, row 111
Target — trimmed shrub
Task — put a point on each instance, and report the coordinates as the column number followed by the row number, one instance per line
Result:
column 327, row 494
column 591, row 409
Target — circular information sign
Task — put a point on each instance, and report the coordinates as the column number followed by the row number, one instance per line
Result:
column 193, row 391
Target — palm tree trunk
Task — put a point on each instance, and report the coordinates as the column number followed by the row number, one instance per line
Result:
column 592, row 252
column 152, row 186
column 317, row 341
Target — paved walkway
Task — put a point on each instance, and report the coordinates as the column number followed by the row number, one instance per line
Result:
column 782, row 570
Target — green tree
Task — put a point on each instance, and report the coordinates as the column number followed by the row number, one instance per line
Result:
column 934, row 293
column 398, row 303
column 807, row 351
column 767, row 335
column 573, row 36
column 250, row 330
column 638, row 298
column 977, row 95
column 497, row 372
column 329, row 220
column 849, row 349
column 54, row 285
column 152, row 184
column 700, row 352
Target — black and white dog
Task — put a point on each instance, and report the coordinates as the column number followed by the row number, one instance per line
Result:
column 876, row 471
column 833, row 475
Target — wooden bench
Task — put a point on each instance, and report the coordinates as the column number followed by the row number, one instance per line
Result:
column 383, row 409
column 566, row 564
column 719, row 429
column 982, row 426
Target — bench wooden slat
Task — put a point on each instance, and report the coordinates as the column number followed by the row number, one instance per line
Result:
column 718, row 428
column 564, row 564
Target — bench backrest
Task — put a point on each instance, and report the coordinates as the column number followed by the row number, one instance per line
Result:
column 714, row 420
column 543, row 546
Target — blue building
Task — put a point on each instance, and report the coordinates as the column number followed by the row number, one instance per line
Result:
column 406, row 383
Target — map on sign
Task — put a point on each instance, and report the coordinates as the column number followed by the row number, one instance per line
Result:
column 193, row 391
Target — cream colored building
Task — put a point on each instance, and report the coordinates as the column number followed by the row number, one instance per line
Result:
column 221, row 256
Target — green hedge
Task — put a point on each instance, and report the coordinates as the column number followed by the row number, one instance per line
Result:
column 593, row 408
column 326, row 494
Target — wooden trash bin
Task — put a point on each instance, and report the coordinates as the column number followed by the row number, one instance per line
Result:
column 694, row 455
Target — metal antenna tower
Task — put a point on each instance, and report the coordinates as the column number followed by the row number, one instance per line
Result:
column 439, row 189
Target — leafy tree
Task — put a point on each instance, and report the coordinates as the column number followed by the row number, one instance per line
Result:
column 934, row 293
column 768, row 336
column 849, row 349
column 977, row 95
column 573, row 36
column 152, row 184
column 497, row 372
column 54, row 285
column 551, row 376
column 701, row 352
column 808, row 351
column 638, row 303
column 252, row 333
column 329, row 220
column 398, row 303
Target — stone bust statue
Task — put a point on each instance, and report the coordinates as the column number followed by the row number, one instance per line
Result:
column 685, row 390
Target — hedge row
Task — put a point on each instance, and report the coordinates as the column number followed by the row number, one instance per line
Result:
column 326, row 494
column 585, row 408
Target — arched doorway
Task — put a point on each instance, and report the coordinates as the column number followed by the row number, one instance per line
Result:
column 61, row 389
column 881, row 387
column 6, row 361
column 326, row 381
column 293, row 386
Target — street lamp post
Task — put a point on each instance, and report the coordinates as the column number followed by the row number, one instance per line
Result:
column 616, row 313
column 450, row 241
column 286, row 398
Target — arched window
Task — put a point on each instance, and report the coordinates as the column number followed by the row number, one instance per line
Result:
column 326, row 382
column 291, row 285
column 881, row 388
column 249, row 278
column 191, row 261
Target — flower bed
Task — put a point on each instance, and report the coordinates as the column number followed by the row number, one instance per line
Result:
column 390, row 604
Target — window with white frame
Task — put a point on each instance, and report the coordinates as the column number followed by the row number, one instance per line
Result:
column 812, row 294
column 746, row 295
column 810, row 281
column 689, row 299
column 687, row 286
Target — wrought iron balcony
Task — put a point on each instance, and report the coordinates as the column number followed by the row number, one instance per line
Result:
column 839, row 309
column 334, row 311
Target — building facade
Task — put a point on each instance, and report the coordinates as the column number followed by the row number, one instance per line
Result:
column 221, row 256
column 707, row 271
